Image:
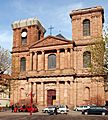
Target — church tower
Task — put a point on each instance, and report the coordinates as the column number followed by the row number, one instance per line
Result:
column 26, row 32
column 87, row 23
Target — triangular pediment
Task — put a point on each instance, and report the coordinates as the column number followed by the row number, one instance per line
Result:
column 50, row 41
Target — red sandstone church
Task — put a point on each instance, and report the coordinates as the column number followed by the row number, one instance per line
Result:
column 54, row 69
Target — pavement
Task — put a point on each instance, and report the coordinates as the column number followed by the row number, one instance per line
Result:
column 72, row 115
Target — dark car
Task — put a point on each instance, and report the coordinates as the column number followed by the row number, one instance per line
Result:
column 95, row 110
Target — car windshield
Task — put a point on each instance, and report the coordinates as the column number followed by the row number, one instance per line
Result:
column 61, row 106
column 51, row 106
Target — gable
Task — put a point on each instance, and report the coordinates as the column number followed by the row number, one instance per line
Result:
column 50, row 41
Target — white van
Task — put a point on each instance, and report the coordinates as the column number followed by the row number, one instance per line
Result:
column 63, row 109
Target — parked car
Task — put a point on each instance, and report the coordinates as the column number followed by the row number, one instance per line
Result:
column 28, row 109
column 49, row 108
column 63, row 109
column 60, row 109
column 106, row 107
column 95, row 110
column 22, row 109
column 81, row 108
column 33, row 109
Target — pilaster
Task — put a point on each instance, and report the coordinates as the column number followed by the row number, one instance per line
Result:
column 58, row 59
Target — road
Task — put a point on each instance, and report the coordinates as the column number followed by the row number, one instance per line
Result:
column 44, row 116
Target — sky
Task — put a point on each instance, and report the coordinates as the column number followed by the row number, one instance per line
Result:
column 49, row 12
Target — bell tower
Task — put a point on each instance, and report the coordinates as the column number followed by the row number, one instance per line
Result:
column 87, row 23
column 26, row 32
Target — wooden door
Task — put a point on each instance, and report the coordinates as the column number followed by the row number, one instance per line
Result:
column 51, row 97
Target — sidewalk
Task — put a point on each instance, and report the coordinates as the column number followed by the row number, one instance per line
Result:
column 73, row 113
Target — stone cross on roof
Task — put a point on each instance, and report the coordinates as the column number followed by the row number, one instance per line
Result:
column 50, row 28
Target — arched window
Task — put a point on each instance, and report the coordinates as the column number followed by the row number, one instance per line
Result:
column 23, row 64
column 86, row 27
column 86, row 59
column 51, row 61
column 24, row 36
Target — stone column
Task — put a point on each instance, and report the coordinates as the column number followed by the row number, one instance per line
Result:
column 43, row 60
column 31, row 61
column 71, row 58
column 31, row 93
column 57, row 93
column 32, row 88
column 35, row 61
column 71, row 94
column 42, row 94
column 75, row 93
column 66, row 58
column 35, row 91
column 65, row 93
column 58, row 59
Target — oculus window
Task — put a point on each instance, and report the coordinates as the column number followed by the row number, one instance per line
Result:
column 24, row 36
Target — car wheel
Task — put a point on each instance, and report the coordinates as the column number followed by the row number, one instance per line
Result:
column 86, row 113
column 62, row 112
column 103, row 113
column 46, row 111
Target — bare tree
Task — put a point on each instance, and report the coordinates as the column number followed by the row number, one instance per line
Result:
column 5, row 61
column 5, row 68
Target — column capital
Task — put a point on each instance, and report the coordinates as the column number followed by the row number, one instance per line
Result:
column 66, row 49
column 57, row 82
column 35, row 83
column 58, row 50
column 32, row 83
column 36, row 52
column 31, row 52
column 43, row 51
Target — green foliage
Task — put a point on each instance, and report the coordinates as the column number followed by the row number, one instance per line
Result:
column 97, row 56
column 106, row 52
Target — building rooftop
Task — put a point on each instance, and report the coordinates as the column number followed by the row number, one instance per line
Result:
column 60, row 36
column 27, row 22
column 88, row 10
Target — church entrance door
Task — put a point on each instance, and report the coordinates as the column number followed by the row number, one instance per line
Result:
column 51, row 97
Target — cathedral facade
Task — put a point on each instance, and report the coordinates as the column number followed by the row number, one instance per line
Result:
column 54, row 70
